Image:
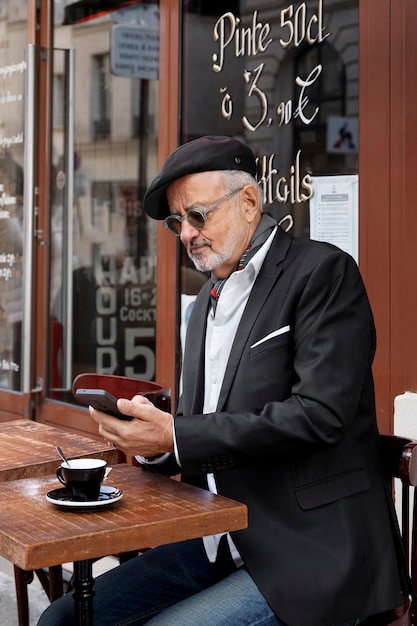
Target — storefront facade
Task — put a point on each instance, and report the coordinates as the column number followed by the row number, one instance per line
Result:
column 94, row 95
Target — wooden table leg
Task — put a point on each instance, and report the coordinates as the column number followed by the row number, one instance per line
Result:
column 56, row 587
column 83, row 593
column 22, row 580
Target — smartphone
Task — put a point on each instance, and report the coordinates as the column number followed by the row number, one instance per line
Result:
column 101, row 400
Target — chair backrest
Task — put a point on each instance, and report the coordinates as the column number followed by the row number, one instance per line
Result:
column 125, row 387
column 399, row 460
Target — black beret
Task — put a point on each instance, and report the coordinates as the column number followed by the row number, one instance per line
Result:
column 210, row 153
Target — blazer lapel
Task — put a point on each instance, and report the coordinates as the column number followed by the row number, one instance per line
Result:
column 194, row 357
column 264, row 283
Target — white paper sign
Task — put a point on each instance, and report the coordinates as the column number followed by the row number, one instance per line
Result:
column 334, row 212
column 135, row 51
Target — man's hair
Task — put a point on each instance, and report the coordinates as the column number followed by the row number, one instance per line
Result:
column 234, row 179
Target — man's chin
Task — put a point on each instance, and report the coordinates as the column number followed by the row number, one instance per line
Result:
column 201, row 267
column 201, row 264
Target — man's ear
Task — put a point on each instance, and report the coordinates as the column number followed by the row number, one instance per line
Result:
column 250, row 199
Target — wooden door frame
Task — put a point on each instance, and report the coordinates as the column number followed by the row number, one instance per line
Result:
column 167, row 247
column 387, row 166
column 40, row 340
column 374, row 184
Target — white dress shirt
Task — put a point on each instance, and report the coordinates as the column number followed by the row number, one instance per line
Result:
column 220, row 334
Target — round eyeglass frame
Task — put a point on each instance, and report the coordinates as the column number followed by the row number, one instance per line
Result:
column 197, row 218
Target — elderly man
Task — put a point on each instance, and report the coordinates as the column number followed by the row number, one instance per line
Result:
column 277, row 411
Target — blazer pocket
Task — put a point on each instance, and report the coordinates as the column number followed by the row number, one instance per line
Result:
column 275, row 333
column 333, row 488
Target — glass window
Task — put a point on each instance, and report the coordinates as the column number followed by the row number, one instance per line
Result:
column 100, row 96
column 284, row 78
column 13, row 68
column 103, row 263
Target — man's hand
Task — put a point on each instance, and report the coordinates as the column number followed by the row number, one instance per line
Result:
column 148, row 434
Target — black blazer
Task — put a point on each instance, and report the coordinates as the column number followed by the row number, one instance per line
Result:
column 295, row 437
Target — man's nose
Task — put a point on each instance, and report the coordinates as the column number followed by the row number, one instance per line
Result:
column 188, row 232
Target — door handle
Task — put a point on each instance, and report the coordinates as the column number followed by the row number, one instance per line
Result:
column 28, row 220
column 68, row 212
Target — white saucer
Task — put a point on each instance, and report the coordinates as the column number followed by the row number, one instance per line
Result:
column 108, row 495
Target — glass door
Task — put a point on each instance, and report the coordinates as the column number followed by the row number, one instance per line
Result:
column 102, row 279
column 17, row 138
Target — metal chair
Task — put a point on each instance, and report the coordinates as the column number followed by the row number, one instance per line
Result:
column 399, row 459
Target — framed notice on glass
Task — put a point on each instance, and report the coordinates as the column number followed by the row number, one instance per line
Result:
column 334, row 212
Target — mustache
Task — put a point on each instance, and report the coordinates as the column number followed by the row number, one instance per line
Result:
column 196, row 243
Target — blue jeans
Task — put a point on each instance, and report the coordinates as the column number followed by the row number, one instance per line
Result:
column 172, row 585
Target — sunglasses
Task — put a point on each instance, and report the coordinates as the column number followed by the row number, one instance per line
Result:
column 197, row 218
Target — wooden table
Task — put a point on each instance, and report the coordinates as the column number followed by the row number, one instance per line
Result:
column 154, row 510
column 27, row 449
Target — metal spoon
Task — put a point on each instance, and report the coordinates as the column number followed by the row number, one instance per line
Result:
column 62, row 455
